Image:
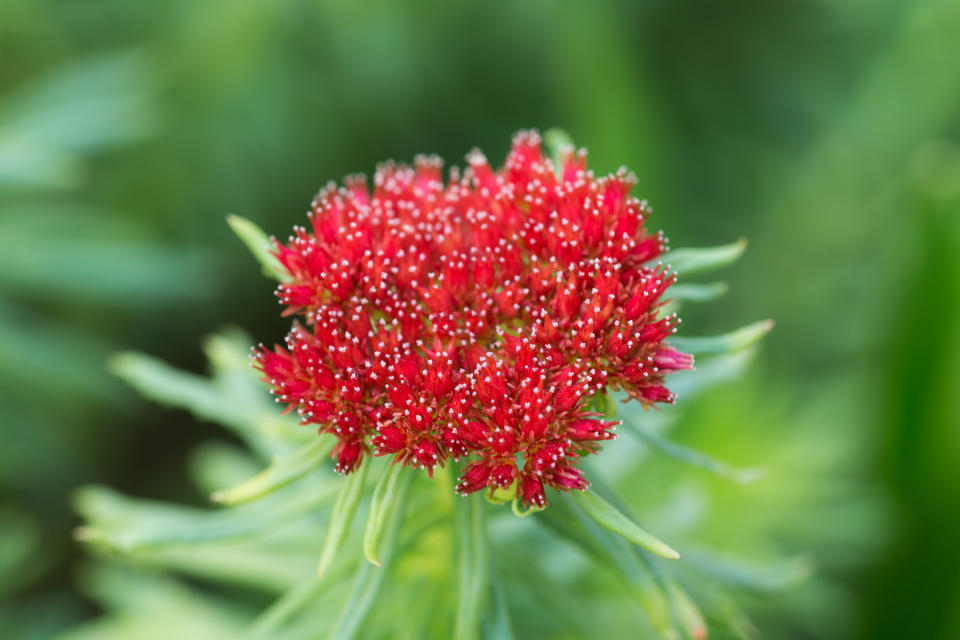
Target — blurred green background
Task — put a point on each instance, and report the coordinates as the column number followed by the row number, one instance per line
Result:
column 826, row 132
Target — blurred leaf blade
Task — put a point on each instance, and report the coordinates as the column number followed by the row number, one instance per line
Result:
column 127, row 525
column 273, row 617
column 697, row 292
column 227, row 404
column 636, row 567
column 752, row 577
column 725, row 343
column 473, row 567
column 689, row 261
column 609, row 517
column 386, row 503
column 380, row 545
column 341, row 517
column 281, row 472
column 497, row 625
column 259, row 245
column 696, row 458
column 688, row 613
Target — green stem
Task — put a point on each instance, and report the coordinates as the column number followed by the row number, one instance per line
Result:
column 473, row 567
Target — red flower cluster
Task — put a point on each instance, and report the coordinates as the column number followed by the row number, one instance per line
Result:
column 474, row 318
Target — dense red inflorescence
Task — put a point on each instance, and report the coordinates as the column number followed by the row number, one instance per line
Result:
column 474, row 318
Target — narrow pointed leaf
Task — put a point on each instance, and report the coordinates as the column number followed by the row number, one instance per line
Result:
column 638, row 568
column 697, row 292
column 687, row 612
column 251, row 416
column 556, row 139
column 250, row 563
column 386, row 502
column 259, row 245
column 656, row 604
column 215, row 464
column 497, row 625
column 281, row 472
column 612, row 519
column 128, row 525
column 688, row 261
column 737, row 573
column 284, row 608
column 366, row 584
column 342, row 516
column 473, row 567
column 694, row 457
column 726, row 343
column 368, row 578
column 173, row 387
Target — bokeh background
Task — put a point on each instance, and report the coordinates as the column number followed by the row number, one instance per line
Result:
column 826, row 132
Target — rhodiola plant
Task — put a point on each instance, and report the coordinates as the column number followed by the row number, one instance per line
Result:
column 464, row 348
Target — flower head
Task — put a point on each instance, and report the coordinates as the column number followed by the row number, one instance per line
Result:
column 474, row 317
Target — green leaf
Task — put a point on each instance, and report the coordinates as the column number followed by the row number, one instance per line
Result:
column 612, row 519
column 688, row 261
column 386, row 502
column 259, row 245
column 696, row 458
column 366, row 584
column 141, row 601
column 342, row 516
column 215, row 464
column 761, row 579
column 284, row 608
column 281, row 472
column 656, row 604
column 497, row 625
column 50, row 125
column 687, row 612
column 127, row 525
column 168, row 385
column 473, row 567
column 269, row 562
column 392, row 490
column 638, row 568
column 229, row 400
column 697, row 292
column 726, row 343
column 556, row 139
column 36, row 264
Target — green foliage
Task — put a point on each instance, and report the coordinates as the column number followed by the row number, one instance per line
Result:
column 610, row 518
column 727, row 343
column 690, row 262
column 259, row 245
column 385, row 507
column 473, row 569
column 341, row 517
column 281, row 472
column 280, row 502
